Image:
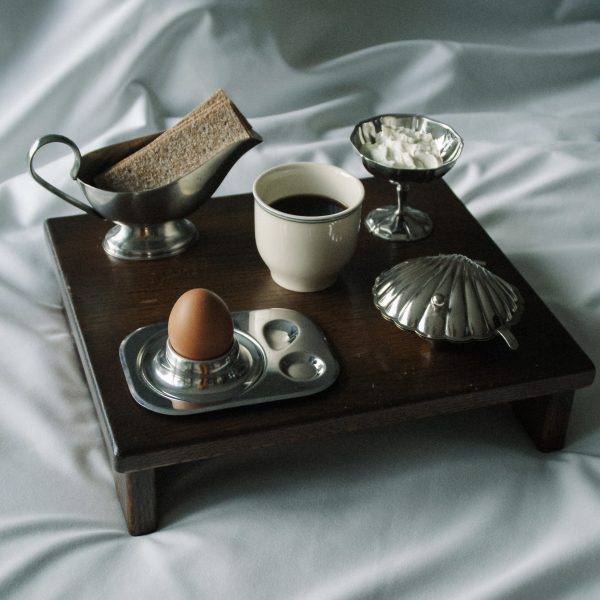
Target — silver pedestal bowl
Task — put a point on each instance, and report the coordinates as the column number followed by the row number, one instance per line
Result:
column 400, row 222
column 149, row 224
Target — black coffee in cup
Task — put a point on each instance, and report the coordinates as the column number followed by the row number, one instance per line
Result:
column 308, row 205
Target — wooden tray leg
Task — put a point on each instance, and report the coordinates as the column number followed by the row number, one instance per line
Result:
column 546, row 419
column 137, row 493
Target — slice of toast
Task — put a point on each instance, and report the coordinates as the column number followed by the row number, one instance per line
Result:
column 216, row 98
column 202, row 133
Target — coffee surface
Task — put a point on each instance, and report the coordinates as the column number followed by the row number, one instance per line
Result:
column 308, row 205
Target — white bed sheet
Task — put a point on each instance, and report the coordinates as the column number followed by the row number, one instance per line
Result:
column 460, row 506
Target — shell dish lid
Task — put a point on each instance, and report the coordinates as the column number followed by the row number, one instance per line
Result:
column 448, row 297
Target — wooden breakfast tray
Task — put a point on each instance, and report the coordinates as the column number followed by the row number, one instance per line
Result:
column 386, row 374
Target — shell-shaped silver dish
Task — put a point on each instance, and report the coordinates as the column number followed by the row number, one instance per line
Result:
column 448, row 297
column 448, row 141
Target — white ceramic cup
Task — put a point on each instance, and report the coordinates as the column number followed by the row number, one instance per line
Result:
column 305, row 253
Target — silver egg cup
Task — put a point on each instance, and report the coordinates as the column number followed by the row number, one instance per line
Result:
column 148, row 224
column 400, row 222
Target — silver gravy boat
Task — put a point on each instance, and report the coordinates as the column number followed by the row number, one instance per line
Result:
column 149, row 224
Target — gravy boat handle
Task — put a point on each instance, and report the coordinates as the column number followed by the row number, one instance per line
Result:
column 48, row 139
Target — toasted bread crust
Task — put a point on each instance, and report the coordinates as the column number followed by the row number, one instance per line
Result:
column 202, row 133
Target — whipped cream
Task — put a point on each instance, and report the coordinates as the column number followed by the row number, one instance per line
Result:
column 403, row 148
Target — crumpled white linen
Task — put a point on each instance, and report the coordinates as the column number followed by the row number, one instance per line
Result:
column 460, row 506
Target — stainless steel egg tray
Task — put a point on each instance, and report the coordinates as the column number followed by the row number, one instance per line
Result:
column 285, row 353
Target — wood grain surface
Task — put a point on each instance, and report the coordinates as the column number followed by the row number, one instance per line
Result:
column 386, row 374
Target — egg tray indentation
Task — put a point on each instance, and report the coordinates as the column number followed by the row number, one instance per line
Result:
column 288, row 357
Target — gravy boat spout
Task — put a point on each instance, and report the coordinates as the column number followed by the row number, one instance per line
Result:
column 149, row 224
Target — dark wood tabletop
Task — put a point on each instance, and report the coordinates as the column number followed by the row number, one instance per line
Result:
column 386, row 374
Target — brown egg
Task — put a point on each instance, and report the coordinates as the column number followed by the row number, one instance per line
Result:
column 200, row 325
